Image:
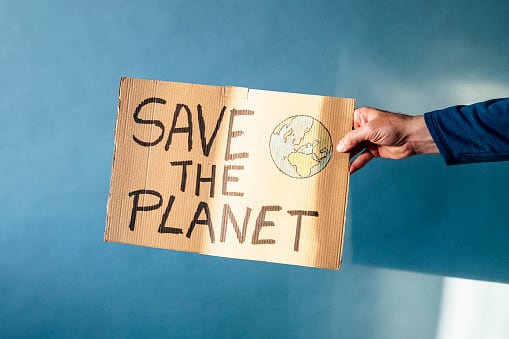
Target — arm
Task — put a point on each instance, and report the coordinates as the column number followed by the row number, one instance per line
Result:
column 462, row 134
column 473, row 133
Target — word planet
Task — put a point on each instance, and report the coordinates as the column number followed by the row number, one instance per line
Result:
column 300, row 146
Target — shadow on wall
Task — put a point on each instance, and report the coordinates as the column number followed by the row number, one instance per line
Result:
column 419, row 215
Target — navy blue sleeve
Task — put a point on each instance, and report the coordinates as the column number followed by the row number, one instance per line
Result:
column 473, row 133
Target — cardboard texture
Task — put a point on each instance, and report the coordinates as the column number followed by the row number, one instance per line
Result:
column 230, row 171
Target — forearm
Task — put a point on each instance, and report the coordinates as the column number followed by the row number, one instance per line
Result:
column 419, row 136
column 474, row 133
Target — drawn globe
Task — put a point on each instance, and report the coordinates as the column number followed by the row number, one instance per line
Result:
column 300, row 146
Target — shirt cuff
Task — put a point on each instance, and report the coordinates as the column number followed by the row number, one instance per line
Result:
column 433, row 129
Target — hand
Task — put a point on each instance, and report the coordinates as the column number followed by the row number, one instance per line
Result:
column 384, row 134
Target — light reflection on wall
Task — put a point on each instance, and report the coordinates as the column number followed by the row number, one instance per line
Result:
column 473, row 309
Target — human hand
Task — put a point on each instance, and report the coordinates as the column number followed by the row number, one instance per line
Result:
column 384, row 134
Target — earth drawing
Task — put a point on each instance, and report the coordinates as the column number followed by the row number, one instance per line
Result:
column 300, row 146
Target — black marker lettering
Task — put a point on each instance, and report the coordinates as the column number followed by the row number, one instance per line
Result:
column 204, row 145
column 228, row 214
column 157, row 123
column 137, row 208
column 162, row 227
column 205, row 207
column 233, row 134
column 299, row 215
column 184, row 165
column 199, row 180
column 174, row 129
column 227, row 178
column 261, row 222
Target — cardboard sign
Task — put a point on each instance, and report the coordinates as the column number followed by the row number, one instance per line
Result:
column 230, row 171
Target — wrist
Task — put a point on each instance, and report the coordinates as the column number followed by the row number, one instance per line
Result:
column 420, row 138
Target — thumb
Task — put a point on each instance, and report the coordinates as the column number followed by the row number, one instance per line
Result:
column 353, row 139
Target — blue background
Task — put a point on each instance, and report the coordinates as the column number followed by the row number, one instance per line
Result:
column 411, row 224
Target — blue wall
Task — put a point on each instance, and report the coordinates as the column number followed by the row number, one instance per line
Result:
column 410, row 223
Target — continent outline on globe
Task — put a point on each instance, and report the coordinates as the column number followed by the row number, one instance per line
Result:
column 300, row 146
